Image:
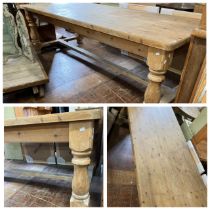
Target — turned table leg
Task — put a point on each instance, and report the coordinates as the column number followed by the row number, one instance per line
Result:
column 80, row 143
column 158, row 62
column 32, row 27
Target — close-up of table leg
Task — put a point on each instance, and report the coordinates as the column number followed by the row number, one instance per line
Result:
column 158, row 62
column 74, row 128
column 80, row 143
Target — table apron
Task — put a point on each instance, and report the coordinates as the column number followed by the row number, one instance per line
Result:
column 40, row 133
column 114, row 41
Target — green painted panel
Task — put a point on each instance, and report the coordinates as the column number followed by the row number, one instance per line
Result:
column 12, row 151
column 199, row 122
column 9, row 113
column 186, row 131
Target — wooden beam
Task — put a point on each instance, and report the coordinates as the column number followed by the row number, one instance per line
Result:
column 105, row 64
column 195, row 57
column 114, row 41
column 200, row 136
column 92, row 114
column 199, row 91
column 55, row 42
column 167, row 94
column 41, row 133
column 203, row 18
column 167, row 176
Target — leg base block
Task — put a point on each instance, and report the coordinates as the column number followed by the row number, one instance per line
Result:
column 75, row 202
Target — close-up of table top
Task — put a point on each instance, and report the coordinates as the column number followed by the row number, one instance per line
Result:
column 166, row 172
column 166, row 32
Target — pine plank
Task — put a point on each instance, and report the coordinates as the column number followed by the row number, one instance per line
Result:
column 92, row 114
column 166, row 173
column 21, row 73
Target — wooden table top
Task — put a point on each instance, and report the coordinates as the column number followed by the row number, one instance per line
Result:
column 167, row 175
column 165, row 32
column 84, row 115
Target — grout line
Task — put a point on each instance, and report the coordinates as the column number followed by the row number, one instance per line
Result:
column 38, row 198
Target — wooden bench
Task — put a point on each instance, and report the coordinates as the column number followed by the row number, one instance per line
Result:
column 21, row 73
column 22, row 67
column 167, row 175
column 76, row 128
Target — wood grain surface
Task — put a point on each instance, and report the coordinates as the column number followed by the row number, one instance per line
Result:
column 47, row 133
column 165, row 32
column 21, row 73
column 83, row 115
column 166, row 172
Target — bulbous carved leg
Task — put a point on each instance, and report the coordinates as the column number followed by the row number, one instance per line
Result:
column 80, row 183
column 158, row 62
column 153, row 93
column 80, row 142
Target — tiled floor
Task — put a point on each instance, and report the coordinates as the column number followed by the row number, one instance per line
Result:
column 121, row 176
column 36, row 195
column 24, row 188
column 76, row 81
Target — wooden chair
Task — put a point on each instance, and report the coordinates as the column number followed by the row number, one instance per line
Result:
column 192, row 87
column 196, row 131
column 146, row 8
column 179, row 55
column 200, row 142
column 199, row 91
column 181, row 13
column 187, row 14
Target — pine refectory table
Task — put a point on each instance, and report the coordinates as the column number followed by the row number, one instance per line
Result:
column 77, row 128
column 148, row 35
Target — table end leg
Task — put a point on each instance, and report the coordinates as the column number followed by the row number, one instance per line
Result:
column 158, row 62
column 80, row 143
